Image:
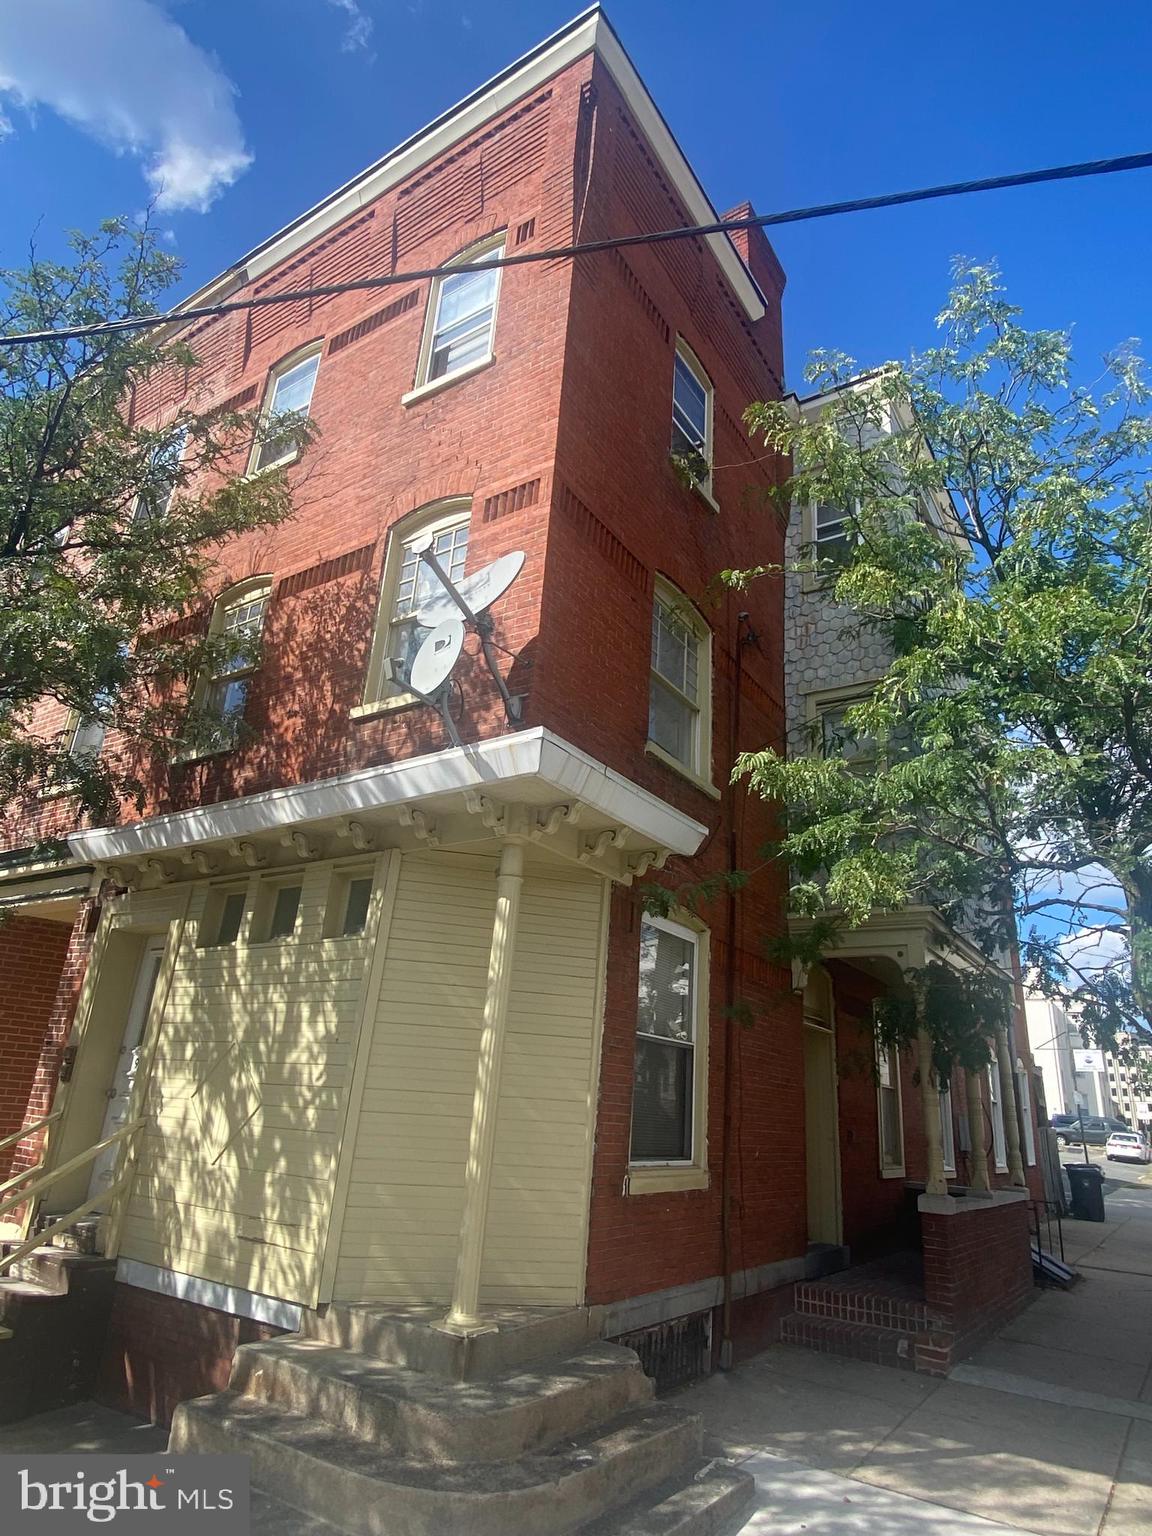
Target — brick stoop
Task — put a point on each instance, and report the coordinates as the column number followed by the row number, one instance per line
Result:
column 854, row 1341
column 53, row 1316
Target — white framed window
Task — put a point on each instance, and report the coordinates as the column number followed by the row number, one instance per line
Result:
column 680, row 684
column 947, row 1130
column 349, row 902
column 692, row 414
column 165, row 464
column 276, row 910
column 890, row 1111
column 996, row 1110
column 669, row 1076
column 85, row 737
column 839, row 739
column 223, row 916
column 288, row 397
column 405, row 586
column 1026, row 1127
column 221, row 697
column 461, row 323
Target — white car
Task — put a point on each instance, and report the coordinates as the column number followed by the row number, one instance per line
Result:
column 1128, row 1147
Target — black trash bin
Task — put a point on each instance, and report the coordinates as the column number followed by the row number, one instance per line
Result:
column 1087, row 1184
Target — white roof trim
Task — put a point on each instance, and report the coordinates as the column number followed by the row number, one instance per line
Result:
column 496, row 766
column 585, row 33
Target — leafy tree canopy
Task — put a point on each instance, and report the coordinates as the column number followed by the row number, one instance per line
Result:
column 1000, row 540
column 106, row 528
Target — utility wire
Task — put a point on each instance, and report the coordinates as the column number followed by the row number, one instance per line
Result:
column 1109, row 167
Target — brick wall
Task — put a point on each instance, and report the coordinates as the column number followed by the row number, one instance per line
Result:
column 160, row 1350
column 977, row 1270
column 32, row 955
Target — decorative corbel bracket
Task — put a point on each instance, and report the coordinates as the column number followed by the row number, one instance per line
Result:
column 596, row 846
column 248, row 852
column 157, row 867
column 554, row 818
column 301, row 844
column 357, row 833
column 491, row 814
column 649, row 858
column 422, row 826
column 199, row 861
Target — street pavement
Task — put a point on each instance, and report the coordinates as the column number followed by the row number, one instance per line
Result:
column 1048, row 1428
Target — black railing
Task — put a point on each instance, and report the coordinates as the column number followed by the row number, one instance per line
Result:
column 1047, row 1229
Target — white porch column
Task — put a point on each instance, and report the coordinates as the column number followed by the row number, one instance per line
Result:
column 974, row 1094
column 937, row 1183
column 1008, row 1101
column 464, row 1316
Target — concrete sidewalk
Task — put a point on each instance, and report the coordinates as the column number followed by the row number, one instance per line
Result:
column 1048, row 1428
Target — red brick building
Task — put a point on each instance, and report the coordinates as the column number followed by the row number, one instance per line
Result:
column 393, row 1014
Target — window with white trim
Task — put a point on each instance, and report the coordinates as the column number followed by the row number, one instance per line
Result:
column 889, row 1110
column 406, row 586
column 287, row 399
column 277, row 908
column 164, row 462
column 947, row 1130
column 664, row 1093
column 461, row 324
column 996, row 1110
column 692, row 412
column 221, row 698
column 85, row 737
column 679, row 689
column 1026, row 1126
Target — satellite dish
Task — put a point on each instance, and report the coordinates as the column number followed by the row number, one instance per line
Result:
column 479, row 591
column 438, row 654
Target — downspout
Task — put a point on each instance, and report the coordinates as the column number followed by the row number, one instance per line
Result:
column 745, row 635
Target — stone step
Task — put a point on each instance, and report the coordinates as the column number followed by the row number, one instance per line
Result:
column 715, row 1501
column 854, row 1341
column 428, row 1417
column 56, row 1269
column 367, row 1492
column 409, row 1337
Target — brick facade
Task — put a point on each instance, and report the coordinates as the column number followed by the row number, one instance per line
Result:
column 977, row 1274
column 33, row 952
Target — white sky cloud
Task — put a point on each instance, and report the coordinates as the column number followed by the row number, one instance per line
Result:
column 127, row 74
column 359, row 28
column 1093, row 950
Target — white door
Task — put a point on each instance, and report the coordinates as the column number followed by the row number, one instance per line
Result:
column 127, row 1063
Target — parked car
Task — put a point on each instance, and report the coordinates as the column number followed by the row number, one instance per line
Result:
column 1128, row 1147
column 1092, row 1131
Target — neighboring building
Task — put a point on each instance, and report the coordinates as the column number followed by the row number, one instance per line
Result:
column 393, row 1011
column 1078, row 1076
column 1130, row 1086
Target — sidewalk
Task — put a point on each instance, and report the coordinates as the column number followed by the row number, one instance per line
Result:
column 1048, row 1428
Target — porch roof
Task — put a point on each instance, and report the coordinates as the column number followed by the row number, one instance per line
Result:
column 909, row 938
column 530, row 784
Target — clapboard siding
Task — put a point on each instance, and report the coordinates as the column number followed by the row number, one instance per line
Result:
column 405, row 1197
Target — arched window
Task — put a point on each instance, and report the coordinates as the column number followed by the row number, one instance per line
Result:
column 288, row 395
column 406, row 585
column 461, row 321
column 221, row 694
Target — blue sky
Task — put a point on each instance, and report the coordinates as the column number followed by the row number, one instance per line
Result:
column 250, row 110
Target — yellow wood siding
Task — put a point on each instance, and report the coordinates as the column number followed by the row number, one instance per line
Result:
column 406, row 1191
column 245, row 1102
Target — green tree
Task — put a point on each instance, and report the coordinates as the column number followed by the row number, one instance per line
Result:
column 106, row 528
column 1000, row 539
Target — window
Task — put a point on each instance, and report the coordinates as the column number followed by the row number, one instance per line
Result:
column 692, row 416
column 406, row 586
column 999, row 1143
column 679, row 684
column 349, row 900
column 831, row 531
column 947, row 1130
column 839, row 739
column 277, row 908
column 890, row 1113
column 665, row 1088
column 223, row 916
column 165, row 465
column 356, row 905
column 1026, row 1114
column 223, row 695
column 87, row 737
column 461, row 317
column 288, row 398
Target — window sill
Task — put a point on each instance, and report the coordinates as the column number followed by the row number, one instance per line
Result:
column 645, row 1179
column 434, row 386
column 187, row 759
column 267, row 469
column 892, row 1173
column 704, row 785
column 382, row 706
column 705, row 494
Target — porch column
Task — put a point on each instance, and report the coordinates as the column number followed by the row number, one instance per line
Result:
column 973, row 1093
column 1008, row 1100
column 937, row 1183
column 464, row 1316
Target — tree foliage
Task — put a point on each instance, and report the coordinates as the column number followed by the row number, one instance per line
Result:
column 1000, row 540
column 106, row 528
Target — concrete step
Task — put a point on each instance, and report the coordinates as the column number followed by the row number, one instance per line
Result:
column 715, row 1501
column 854, row 1341
column 428, row 1417
column 367, row 1492
column 409, row 1337
column 57, row 1269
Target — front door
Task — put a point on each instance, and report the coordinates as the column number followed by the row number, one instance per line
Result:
column 127, row 1063
column 821, row 1135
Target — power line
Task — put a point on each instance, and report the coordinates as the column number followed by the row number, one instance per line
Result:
column 1109, row 167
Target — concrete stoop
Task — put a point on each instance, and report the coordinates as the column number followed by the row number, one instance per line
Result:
column 53, row 1316
column 867, row 1314
column 383, row 1425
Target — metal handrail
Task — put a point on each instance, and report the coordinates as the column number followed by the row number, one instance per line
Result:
column 41, row 1238
column 37, row 1125
column 70, row 1166
column 18, row 1178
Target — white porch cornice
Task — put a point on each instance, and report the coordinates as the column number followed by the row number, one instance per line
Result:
column 910, row 938
column 532, row 784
